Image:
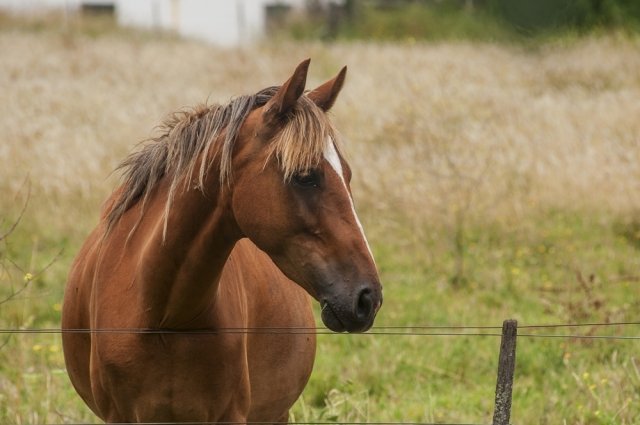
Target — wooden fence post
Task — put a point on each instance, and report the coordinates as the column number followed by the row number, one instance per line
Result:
column 506, row 367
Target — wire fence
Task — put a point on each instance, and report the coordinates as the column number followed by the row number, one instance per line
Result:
column 506, row 362
column 406, row 330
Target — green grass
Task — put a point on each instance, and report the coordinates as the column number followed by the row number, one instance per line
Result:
column 557, row 268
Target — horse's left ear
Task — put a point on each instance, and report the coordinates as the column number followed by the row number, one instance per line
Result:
column 325, row 95
column 288, row 94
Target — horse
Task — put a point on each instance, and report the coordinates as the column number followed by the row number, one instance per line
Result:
column 191, row 300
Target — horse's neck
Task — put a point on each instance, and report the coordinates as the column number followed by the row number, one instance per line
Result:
column 179, row 271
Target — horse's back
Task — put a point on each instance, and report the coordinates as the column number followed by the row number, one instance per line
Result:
column 280, row 352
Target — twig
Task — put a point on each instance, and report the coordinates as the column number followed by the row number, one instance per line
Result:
column 13, row 226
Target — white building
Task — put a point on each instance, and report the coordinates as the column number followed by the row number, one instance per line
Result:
column 226, row 23
column 222, row 22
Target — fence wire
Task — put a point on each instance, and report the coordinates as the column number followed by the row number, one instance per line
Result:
column 408, row 330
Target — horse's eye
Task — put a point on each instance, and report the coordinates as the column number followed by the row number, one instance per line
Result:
column 306, row 179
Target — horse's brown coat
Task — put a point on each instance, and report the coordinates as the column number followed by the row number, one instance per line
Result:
column 213, row 259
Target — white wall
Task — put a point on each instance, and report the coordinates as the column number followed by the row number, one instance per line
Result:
column 145, row 13
column 220, row 22
column 226, row 23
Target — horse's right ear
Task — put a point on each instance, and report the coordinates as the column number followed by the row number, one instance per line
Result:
column 287, row 95
column 325, row 95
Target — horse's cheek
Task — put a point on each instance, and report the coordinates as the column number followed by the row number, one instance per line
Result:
column 260, row 216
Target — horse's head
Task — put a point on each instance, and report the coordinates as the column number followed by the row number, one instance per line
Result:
column 291, row 197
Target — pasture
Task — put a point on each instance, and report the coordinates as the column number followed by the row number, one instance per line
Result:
column 493, row 182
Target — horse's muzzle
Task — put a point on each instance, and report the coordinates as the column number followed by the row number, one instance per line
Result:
column 356, row 315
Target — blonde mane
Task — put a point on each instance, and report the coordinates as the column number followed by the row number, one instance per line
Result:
column 209, row 131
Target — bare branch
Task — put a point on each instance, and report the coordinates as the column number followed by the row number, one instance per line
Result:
column 7, row 264
column 28, row 277
column 13, row 226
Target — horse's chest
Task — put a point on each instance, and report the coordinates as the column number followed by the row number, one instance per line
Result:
column 182, row 375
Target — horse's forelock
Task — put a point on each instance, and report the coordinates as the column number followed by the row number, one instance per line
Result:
column 301, row 143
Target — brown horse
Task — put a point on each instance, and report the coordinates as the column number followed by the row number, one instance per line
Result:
column 222, row 222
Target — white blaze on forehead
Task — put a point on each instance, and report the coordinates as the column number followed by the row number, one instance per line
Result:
column 332, row 157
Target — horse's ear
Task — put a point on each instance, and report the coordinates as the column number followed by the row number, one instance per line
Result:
column 288, row 94
column 325, row 95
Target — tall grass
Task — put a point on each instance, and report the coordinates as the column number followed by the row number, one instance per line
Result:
column 493, row 182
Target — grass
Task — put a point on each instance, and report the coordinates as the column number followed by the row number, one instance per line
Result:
column 494, row 182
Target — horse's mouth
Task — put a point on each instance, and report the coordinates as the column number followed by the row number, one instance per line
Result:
column 330, row 318
column 337, row 323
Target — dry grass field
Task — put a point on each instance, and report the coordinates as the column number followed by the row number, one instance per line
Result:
column 493, row 181
column 429, row 128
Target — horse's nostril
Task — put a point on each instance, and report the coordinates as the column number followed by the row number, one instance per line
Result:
column 364, row 306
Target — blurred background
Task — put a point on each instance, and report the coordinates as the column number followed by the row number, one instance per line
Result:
column 235, row 22
column 495, row 148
